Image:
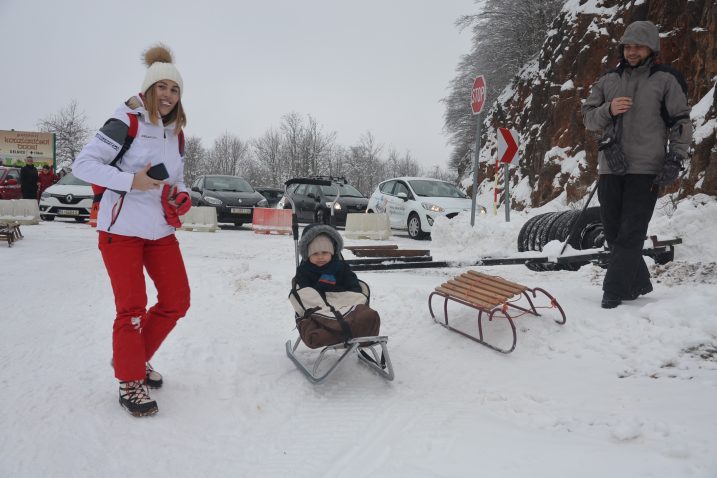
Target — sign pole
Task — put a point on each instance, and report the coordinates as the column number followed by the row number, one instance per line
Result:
column 475, row 173
column 477, row 102
column 507, row 192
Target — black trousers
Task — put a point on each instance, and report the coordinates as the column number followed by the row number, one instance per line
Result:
column 626, row 206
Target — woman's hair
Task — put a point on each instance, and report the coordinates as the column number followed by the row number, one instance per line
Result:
column 151, row 104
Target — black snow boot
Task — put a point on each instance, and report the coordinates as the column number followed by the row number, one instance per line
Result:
column 638, row 292
column 154, row 378
column 610, row 301
column 134, row 398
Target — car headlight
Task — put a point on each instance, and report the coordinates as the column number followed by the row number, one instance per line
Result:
column 262, row 203
column 337, row 206
column 45, row 195
column 213, row 201
column 432, row 207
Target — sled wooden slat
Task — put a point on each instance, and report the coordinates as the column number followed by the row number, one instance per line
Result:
column 494, row 296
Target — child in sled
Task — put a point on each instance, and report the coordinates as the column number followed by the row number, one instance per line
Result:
column 331, row 304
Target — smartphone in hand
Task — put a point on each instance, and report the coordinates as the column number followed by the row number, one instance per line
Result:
column 158, row 172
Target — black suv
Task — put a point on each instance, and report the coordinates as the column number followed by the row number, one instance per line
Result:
column 313, row 202
column 232, row 196
column 273, row 195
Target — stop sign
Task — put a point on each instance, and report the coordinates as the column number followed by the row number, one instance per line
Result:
column 478, row 94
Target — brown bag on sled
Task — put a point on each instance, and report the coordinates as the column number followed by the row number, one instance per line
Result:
column 333, row 317
column 318, row 331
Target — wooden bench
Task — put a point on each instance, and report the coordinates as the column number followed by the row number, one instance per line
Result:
column 494, row 296
column 10, row 232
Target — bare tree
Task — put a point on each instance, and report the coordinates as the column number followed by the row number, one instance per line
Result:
column 267, row 151
column 228, row 156
column 71, row 132
column 292, row 130
column 407, row 166
column 315, row 148
column 194, row 159
column 506, row 34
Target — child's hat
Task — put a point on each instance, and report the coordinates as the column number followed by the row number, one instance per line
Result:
column 312, row 231
column 160, row 67
column 321, row 243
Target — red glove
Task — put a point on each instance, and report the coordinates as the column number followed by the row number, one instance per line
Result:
column 170, row 210
column 183, row 203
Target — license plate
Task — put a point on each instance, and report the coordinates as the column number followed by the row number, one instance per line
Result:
column 68, row 212
column 241, row 210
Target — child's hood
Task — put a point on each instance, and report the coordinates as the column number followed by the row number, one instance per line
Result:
column 313, row 230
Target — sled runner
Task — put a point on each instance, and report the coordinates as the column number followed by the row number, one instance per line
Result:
column 493, row 296
column 335, row 324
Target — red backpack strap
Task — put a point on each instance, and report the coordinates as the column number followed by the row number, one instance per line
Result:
column 181, row 143
column 133, row 125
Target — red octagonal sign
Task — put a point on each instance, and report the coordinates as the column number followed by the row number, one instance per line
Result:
column 478, row 94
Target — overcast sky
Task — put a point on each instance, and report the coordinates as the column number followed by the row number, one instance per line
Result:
column 355, row 66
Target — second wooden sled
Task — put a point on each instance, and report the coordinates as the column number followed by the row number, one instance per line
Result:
column 493, row 296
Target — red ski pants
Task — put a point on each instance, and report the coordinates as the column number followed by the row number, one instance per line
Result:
column 137, row 332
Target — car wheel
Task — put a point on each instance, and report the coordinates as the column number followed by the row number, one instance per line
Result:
column 45, row 217
column 238, row 223
column 414, row 227
column 321, row 217
column 369, row 211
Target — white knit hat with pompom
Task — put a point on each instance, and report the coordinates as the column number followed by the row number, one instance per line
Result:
column 160, row 67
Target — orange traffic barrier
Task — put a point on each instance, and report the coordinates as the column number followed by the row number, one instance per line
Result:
column 93, row 213
column 271, row 221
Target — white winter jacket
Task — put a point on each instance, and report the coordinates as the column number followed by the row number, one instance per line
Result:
column 141, row 214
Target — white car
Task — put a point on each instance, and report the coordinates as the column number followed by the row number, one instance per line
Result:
column 68, row 197
column 413, row 203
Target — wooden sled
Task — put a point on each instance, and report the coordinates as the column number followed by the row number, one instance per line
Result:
column 493, row 296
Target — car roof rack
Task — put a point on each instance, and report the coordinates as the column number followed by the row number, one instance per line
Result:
column 333, row 179
column 319, row 180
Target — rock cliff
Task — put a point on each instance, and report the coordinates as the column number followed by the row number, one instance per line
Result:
column 543, row 102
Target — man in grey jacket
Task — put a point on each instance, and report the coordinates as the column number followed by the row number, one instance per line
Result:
column 641, row 106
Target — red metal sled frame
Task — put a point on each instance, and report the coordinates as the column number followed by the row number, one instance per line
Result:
column 493, row 296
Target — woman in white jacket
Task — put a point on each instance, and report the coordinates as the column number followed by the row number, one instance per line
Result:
column 137, row 218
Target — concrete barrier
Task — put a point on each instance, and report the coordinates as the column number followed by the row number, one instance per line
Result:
column 367, row 226
column 23, row 211
column 271, row 221
column 200, row 219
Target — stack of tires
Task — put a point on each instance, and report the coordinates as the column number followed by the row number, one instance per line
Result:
column 587, row 233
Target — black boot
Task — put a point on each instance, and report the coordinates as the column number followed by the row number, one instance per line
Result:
column 610, row 301
column 154, row 378
column 134, row 398
column 638, row 292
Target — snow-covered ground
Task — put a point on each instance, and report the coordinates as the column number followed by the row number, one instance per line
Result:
column 626, row 392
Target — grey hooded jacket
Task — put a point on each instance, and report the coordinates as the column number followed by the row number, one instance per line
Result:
column 659, row 111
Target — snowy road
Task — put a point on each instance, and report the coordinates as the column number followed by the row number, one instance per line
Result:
column 611, row 393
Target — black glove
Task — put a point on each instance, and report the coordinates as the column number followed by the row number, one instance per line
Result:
column 670, row 170
column 612, row 152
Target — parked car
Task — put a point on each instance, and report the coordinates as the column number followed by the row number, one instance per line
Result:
column 68, row 197
column 232, row 196
column 272, row 195
column 313, row 202
column 10, row 183
column 413, row 203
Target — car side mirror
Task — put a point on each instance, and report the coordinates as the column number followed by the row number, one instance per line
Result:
column 312, row 196
column 196, row 189
column 403, row 196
